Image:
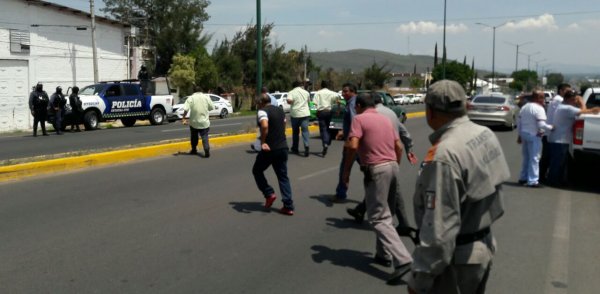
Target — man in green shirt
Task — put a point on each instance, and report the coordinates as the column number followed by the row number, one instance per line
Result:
column 198, row 106
column 300, row 113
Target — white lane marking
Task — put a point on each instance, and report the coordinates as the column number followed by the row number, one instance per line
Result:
column 212, row 126
column 557, row 276
column 318, row 173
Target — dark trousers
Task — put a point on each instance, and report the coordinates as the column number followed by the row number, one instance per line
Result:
column 278, row 159
column 324, row 117
column 558, row 157
column 194, row 138
column 41, row 118
column 58, row 117
column 76, row 115
column 545, row 159
column 341, row 191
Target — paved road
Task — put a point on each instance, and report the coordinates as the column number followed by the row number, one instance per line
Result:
column 24, row 145
column 183, row 224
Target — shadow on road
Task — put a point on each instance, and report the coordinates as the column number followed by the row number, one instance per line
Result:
column 360, row 261
column 247, row 207
column 346, row 223
column 325, row 199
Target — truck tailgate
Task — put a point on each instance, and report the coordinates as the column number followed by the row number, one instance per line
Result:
column 591, row 131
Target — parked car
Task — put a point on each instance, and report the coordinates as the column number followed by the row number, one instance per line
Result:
column 399, row 99
column 493, row 110
column 222, row 108
column 584, row 150
column 282, row 100
column 548, row 95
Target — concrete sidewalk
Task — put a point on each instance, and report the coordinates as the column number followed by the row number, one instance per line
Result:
column 23, row 170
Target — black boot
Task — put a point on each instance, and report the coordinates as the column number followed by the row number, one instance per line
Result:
column 206, row 153
column 305, row 151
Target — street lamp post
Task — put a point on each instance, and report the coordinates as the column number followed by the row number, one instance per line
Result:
column 258, row 50
column 444, row 46
column 493, row 48
column 529, row 58
column 517, row 55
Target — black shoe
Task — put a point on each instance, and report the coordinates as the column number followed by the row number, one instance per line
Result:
column 294, row 151
column 305, row 151
column 358, row 216
column 324, row 151
column 533, row 185
column 193, row 152
column 35, row 135
column 382, row 261
column 336, row 199
column 398, row 274
column 522, row 182
column 45, row 134
column 206, row 153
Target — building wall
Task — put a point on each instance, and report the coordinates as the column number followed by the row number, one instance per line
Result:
column 59, row 56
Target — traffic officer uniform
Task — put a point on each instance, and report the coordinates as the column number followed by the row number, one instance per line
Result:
column 458, row 196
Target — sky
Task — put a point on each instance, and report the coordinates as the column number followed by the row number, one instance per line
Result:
column 553, row 34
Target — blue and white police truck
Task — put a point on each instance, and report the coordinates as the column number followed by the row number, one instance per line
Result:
column 122, row 100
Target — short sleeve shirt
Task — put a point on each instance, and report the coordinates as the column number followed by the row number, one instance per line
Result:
column 198, row 105
column 299, row 106
column 377, row 137
column 564, row 118
column 529, row 116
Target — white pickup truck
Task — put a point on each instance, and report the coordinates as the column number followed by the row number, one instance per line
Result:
column 585, row 146
column 121, row 100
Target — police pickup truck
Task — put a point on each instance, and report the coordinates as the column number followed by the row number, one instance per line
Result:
column 121, row 100
column 585, row 146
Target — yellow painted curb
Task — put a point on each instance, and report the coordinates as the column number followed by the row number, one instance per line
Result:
column 19, row 171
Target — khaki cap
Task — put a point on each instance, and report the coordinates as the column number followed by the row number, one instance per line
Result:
column 446, row 96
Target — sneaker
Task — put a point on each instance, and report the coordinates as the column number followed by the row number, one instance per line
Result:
column 269, row 201
column 286, row 211
column 398, row 274
column 358, row 216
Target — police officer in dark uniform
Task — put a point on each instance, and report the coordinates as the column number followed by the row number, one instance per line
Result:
column 457, row 198
column 76, row 109
column 38, row 102
column 144, row 78
column 57, row 109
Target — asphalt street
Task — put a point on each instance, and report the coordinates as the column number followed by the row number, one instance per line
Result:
column 185, row 224
column 25, row 145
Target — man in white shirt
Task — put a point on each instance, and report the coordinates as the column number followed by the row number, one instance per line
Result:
column 324, row 98
column 300, row 113
column 561, row 89
column 559, row 139
column 532, row 124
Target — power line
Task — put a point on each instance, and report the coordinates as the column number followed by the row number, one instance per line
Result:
column 405, row 21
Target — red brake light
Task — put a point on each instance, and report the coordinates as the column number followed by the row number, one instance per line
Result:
column 504, row 108
column 578, row 132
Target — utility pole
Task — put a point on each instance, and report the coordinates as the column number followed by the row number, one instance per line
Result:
column 94, row 53
column 517, row 58
column 258, row 50
column 444, row 45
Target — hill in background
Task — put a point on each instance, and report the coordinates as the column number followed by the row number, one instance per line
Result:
column 359, row 59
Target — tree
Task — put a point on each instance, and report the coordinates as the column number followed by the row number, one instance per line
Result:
column 523, row 80
column 454, row 71
column 206, row 71
column 182, row 73
column 171, row 26
column 416, row 82
column 554, row 79
column 376, row 76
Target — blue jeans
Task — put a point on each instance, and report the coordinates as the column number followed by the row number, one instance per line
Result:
column 558, row 156
column 324, row 118
column 278, row 159
column 341, row 190
column 194, row 138
column 302, row 123
column 531, row 148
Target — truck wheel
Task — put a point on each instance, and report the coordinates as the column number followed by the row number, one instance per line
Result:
column 90, row 120
column 224, row 113
column 157, row 116
column 128, row 122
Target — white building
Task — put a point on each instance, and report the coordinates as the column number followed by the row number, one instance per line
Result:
column 52, row 44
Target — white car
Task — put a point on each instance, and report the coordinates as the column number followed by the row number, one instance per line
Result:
column 282, row 100
column 222, row 107
column 398, row 98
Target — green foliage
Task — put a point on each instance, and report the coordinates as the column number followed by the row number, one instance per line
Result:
column 182, row 73
column 376, row 76
column 171, row 26
column 554, row 79
column 416, row 82
column 455, row 71
column 207, row 77
column 523, row 80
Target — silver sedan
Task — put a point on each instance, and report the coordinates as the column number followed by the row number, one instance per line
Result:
column 493, row 110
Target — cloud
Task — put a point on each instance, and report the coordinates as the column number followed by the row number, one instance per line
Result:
column 573, row 27
column 427, row 27
column 543, row 22
column 328, row 34
column 591, row 23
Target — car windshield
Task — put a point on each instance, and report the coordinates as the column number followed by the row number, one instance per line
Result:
column 593, row 100
column 489, row 100
column 91, row 90
column 277, row 96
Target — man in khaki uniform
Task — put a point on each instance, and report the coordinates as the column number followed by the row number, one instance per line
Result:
column 457, row 198
column 198, row 105
column 300, row 113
